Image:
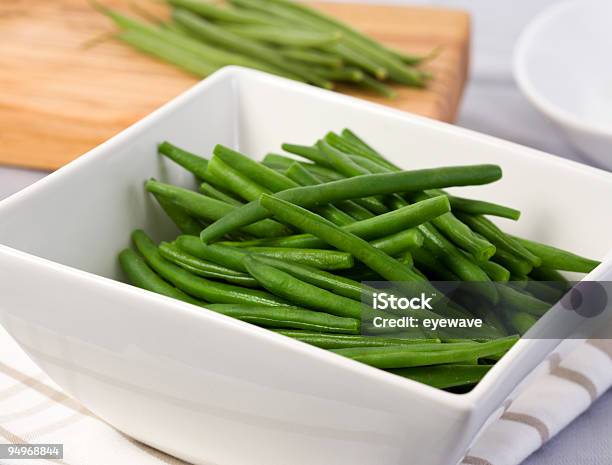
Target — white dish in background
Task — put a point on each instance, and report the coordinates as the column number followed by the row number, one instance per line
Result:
column 213, row 390
column 562, row 65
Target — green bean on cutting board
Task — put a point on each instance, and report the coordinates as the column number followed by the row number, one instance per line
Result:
column 284, row 38
column 293, row 259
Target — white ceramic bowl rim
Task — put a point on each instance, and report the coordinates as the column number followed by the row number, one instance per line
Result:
column 524, row 82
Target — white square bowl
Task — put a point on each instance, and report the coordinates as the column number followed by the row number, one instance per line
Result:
column 210, row 389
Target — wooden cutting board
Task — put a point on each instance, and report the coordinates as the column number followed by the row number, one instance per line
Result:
column 65, row 86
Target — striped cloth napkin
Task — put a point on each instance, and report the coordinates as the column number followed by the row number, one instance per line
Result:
column 35, row 410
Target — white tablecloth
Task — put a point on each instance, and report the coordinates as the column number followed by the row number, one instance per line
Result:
column 492, row 105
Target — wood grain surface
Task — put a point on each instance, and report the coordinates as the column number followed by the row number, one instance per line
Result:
column 66, row 85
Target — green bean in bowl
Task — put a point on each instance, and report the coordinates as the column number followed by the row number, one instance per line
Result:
column 298, row 246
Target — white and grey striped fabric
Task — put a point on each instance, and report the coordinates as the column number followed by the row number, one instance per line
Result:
column 34, row 410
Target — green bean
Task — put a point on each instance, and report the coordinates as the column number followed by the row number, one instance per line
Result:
column 366, row 165
column 358, row 42
column 303, row 177
column 360, row 186
column 312, row 223
column 445, row 376
column 515, row 265
column 217, row 194
column 518, row 282
column 481, row 309
column 544, row 291
column 181, row 43
column 364, row 149
column 284, row 36
column 246, row 168
column 316, row 155
column 348, row 146
column 373, row 228
column 158, row 48
column 346, row 73
column 447, row 224
column 367, row 46
column 341, row 341
column 288, row 17
column 299, row 292
column 546, row 274
column 210, row 209
column 521, row 322
column 459, row 264
column 254, row 170
column 191, row 162
column 334, row 214
column 446, row 252
column 522, row 301
column 140, row 275
column 309, row 152
column 558, row 259
column 411, row 59
column 199, row 287
column 337, row 284
column 345, row 166
column 429, row 263
column 278, row 317
column 322, row 259
column 370, row 165
column 283, row 162
column 289, row 317
column 233, row 180
column 495, row 271
column 399, row 242
column 228, row 257
column 460, row 234
column 376, row 86
column 496, row 236
column 353, row 57
column 210, row 32
column 478, row 207
column 185, row 223
column 231, row 15
column 425, row 354
column 312, row 57
column 203, row 268
column 231, row 257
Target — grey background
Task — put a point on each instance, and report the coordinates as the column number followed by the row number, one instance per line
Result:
column 493, row 105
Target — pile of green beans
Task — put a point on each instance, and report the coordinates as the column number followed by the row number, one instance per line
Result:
column 286, row 245
column 280, row 37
